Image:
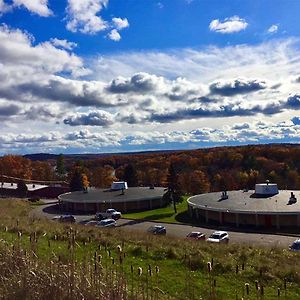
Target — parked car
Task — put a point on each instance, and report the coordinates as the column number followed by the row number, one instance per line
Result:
column 110, row 213
column 83, row 222
column 157, row 229
column 219, row 237
column 65, row 219
column 295, row 246
column 92, row 223
column 107, row 223
column 196, row 235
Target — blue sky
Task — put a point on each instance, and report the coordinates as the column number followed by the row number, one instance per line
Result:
column 123, row 75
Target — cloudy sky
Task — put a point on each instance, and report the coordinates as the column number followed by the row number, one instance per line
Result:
column 90, row 76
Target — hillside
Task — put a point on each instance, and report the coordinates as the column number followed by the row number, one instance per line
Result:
column 41, row 258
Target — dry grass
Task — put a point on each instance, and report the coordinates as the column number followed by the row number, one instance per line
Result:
column 42, row 259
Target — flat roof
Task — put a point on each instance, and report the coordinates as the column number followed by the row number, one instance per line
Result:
column 110, row 196
column 245, row 202
column 30, row 186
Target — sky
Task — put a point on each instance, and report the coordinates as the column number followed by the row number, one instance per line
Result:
column 93, row 76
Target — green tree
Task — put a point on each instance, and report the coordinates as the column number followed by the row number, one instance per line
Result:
column 130, row 175
column 76, row 181
column 60, row 166
column 174, row 191
column 22, row 188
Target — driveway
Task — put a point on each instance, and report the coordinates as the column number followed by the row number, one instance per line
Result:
column 51, row 209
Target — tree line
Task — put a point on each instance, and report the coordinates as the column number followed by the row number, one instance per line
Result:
column 197, row 171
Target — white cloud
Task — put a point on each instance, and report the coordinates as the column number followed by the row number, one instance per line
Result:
column 17, row 51
column 63, row 44
column 120, row 23
column 82, row 15
column 273, row 28
column 39, row 7
column 93, row 118
column 114, row 35
column 137, row 91
column 229, row 25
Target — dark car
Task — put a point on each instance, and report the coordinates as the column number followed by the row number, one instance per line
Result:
column 157, row 229
column 295, row 246
column 196, row 235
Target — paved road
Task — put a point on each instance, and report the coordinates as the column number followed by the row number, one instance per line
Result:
column 50, row 209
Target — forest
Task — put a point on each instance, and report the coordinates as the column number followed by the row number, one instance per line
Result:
column 197, row 171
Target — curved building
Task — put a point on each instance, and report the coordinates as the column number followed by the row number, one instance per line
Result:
column 265, row 206
column 124, row 200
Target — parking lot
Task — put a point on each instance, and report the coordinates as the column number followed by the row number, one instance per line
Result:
column 49, row 210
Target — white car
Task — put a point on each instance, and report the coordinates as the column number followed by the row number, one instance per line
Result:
column 218, row 237
column 107, row 223
column 110, row 213
column 295, row 246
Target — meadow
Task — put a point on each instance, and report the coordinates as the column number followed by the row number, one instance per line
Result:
column 41, row 259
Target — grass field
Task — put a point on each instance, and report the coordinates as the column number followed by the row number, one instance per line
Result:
column 165, row 214
column 40, row 258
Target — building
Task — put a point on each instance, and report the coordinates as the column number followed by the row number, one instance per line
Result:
column 9, row 189
column 126, row 200
column 266, row 207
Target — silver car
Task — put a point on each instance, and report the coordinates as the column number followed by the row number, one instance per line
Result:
column 218, row 237
column 107, row 223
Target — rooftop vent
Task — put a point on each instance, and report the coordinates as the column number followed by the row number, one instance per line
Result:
column 292, row 199
column 224, row 195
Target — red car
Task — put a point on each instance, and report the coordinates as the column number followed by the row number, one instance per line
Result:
column 196, row 235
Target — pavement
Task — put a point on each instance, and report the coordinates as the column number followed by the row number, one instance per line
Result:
column 51, row 209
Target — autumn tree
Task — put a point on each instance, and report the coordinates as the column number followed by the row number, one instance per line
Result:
column 102, row 177
column 199, row 183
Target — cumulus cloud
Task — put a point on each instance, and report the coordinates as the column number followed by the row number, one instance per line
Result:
column 120, row 23
column 273, row 28
column 237, row 86
column 203, row 136
column 114, row 35
column 93, row 118
column 17, row 49
column 140, row 82
column 76, row 92
column 82, row 15
column 42, row 82
column 229, row 25
column 39, row 7
column 230, row 110
column 63, row 44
